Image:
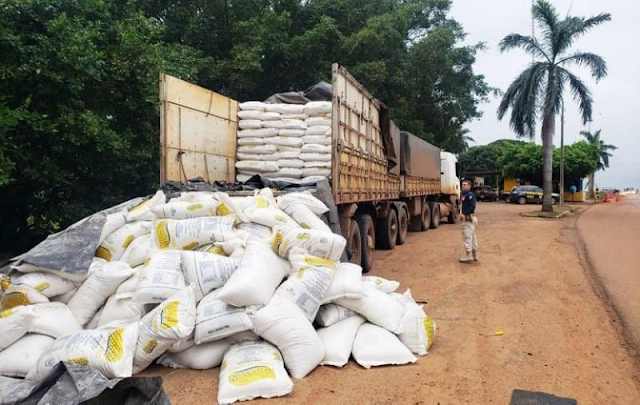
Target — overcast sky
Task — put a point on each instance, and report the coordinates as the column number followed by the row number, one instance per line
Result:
column 616, row 107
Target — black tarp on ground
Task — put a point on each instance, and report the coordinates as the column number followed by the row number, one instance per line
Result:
column 72, row 384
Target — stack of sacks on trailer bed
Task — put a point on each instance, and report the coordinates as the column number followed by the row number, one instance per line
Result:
column 287, row 142
column 204, row 279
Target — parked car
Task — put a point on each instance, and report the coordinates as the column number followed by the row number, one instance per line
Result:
column 530, row 194
column 485, row 193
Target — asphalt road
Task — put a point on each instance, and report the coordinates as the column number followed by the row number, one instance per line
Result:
column 611, row 233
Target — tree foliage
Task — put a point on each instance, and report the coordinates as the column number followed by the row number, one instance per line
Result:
column 78, row 95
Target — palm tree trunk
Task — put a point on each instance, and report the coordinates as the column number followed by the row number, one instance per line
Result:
column 548, row 129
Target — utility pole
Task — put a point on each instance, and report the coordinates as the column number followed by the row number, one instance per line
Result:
column 562, row 156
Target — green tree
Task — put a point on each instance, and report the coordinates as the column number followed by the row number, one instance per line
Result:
column 537, row 91
column 78, row 99
column 603, row 156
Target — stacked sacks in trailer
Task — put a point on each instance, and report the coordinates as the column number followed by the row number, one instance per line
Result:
column 288, row 142
column 200, row 280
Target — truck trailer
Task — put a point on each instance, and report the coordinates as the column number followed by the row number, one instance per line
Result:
column 384, row 181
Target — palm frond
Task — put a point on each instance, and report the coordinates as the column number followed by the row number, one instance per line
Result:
column 594, row 62
column 547, row 17
column 581, row 94
column 572, row 28
column 553, row 96
column 529, row 44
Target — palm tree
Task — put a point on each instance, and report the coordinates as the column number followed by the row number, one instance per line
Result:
column 603, row 155
column 537, row 91
column 458, row 142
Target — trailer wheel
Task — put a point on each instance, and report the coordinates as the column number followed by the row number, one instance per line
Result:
column 420, row 223
column 355, row 244
column 368, row 241
column 403, row 226
column 452, row 218
column 387, row 230
column 435, row 215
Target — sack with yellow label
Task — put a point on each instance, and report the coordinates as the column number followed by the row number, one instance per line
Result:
column 418, row 329
column 381, row 283
column 114, row 245
column 22, row 356
column 198, row 357
column 309, row 283
column 376, row 307
column 49, row 285
column 306, row 218
column 138, row 251
column 14, row 323
column 164, row 326
column 188, row 234
column 160, row 277
column 93, row 293
column 53, row 319
column 186, row 210
column 317, row 243
column 347, row 283
column 142, row 212
column 207, row 271
column 216, row 320
column 263, row 211
column 330, row 314
column 109, row 350
column 17, row 295
column 252, row 369
column 125, row 309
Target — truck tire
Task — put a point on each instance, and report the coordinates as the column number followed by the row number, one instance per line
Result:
column 355, row 244
column 435, row 215
column 368, row 241
column 420, row 223
column 387, row 231
column 403, row 226
column 452, row 218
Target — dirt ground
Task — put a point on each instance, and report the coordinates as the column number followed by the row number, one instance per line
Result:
column 559, row 336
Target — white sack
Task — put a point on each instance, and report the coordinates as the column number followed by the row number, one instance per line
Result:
column 186, row 210
column 207, row 271
column 258, row 115
column 314, row 171
column 160, row 278
column 258, row 231
column 318, row 108
column 113, row 222
column 317, row 165
column 347, row 283
column 93, row 293
column 316, row 243
column 285, row 108
column 257, row 133
column 256, row 278
column 418, row 329
column 318, row 130
column 252, row 370
column 217, row 320
column 283, row 324
column 318, row 122
column 290, row 172
column 49, row 285
column 306, row 218
column 109, row 350
column 375, row 346
column 53, row 319
column 142, row 212
column 250, row 124
column 315, row 157
column 17, row 295
column 315, row 148
column 251, row 141
column 194, row 197
column 165, row 325
column 14, row 323
column 114, row 245
column 330, row 314
column 296, row 133
column 197, row 357
column 317, row 139
column 183, row 344
column 65, row 298
column 377, row 307
column 284, row 141
column 125, row 309
column 187, row 234
column 95, row 319
column 22, row 356
column 128, row 287
column 284, row 124
column 138, row 251
column 257, row 149
column 290, row 163
column 338, row 340
column 382, row 284
column 257, row 166
column 252, row 106
column 313, row 203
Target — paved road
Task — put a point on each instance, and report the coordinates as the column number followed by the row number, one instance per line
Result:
column 611, row 233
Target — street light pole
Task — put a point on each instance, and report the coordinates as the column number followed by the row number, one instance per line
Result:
column 562, row 156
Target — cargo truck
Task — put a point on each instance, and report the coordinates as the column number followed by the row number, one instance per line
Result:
column 385, row 182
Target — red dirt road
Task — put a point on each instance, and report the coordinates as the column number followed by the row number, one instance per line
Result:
column 559, row 336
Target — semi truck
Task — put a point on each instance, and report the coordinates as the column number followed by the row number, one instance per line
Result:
column 384, row 181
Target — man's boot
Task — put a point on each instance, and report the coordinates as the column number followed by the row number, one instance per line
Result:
column 468, row 258
column 475, row 255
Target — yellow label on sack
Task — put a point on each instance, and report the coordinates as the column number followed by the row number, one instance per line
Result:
column 14, row 299
column 223, row 365
column 114, row 350
column 147, row 261
column 319, row 261
column 194, row 207
column 429, row 330
column 218, row 250
column 139, row 207
column 277, row 240
column 301, row 272
column 169, row 315
column 162, row 234
column 262, row 202
column 151, row 344
column 304, row 236
column 304, row 226
column 80, row 361
column 190, row 246
column 103, row 253
column 7, row 313
column 223, row 209
column 4, row 284
column 127, row 241
column 246, row 377
column 42, row 286
column 281, row 218
column 277, row 356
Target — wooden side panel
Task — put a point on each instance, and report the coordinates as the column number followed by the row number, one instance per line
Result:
column 418, row 186
column 198, row 130
column 359, row 162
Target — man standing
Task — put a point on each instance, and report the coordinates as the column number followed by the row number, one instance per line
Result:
column 469, row 222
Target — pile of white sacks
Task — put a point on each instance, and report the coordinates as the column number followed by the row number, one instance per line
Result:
column 289, row 142
column 251, row 284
